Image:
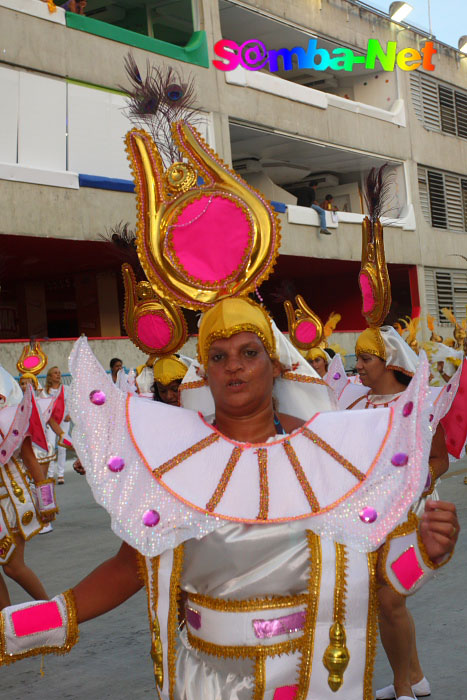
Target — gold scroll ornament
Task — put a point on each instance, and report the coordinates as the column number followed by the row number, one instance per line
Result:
column 162, row 196
column 140, row 302
column 374, row 274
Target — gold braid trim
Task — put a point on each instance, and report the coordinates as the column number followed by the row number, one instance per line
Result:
column 314, row 587
column 72, row 636
column 142, row 570
column 197, row 447
column 340, row 590
column 334, row 454
column 301, row 476
column 172, row 622
column 224, row 480
column 263, row 484
column 302, row 378
column 371, row 628
column 151, row 583
column 260, row 676
column 244, row 652
column 250, row 604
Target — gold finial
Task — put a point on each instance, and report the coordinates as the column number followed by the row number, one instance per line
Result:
column 336, row 657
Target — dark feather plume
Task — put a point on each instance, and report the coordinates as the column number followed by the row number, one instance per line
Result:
column 121, row 240
column 158, row 100
column 378, row 195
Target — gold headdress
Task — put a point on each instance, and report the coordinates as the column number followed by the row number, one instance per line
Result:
column 198, row 244
column 168, row 369
column 222, row 321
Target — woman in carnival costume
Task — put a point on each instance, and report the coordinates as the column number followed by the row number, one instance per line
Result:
column 168, row 373
column 258, row 527
column 55, row 388
column 385, row 364
column 27, row 501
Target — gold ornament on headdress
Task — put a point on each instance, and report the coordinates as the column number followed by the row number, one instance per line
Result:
column 374, row 277
column 435, row 338
column 198, row 243
column 411, row 325
column 154, row 325
column 33, row 359
column 306, row 329
column 460, row 330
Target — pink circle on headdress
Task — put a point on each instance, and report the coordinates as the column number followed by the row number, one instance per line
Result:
column 154, row 330
column 31, row 361
column 210, row 238
column 367, row 293
column 305, row 332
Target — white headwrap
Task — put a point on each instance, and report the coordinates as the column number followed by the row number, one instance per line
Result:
column 10, row 389
column 387, row 344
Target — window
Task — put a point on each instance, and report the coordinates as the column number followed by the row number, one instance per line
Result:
column 169, row 20
column 446, row 289
column 440, row 107
column 443, row 199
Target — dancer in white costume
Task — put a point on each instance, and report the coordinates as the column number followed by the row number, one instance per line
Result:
column 260, row 525
column 53, row 387
column 385, row 364
column 27, row 500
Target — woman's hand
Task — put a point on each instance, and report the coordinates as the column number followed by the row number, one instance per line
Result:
column 439, row 529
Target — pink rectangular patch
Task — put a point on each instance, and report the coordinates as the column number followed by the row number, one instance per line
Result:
column 38, row 618
column 407, row 569
column 286, row 692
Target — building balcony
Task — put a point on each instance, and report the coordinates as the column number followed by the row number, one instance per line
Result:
column 371, row 92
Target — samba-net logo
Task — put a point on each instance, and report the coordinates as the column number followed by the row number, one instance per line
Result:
column 253, row 55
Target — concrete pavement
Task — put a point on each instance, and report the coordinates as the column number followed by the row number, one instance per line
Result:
column 112, row 659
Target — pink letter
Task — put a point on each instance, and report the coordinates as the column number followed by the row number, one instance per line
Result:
column 232, row 59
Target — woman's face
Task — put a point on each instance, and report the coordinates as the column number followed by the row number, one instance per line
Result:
column 169, row 394
column 240, row 374
column 371, row 369
column 56, row 375
column 23, row 382
column 319, row 365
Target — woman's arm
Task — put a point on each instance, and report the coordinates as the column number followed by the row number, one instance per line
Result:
column 439, row 458
column 109, row 585
column 51, row 626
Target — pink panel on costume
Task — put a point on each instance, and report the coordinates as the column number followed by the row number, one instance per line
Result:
column 154, row 331
column 305, row 332
column 58, row 411
column 407, row 569
column 38, row 618
column 367, row 293
column 36, row 428
column 286, row 692
column 455, row 421
column 265, row 629
column 31, row 361
column 211, row 238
